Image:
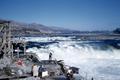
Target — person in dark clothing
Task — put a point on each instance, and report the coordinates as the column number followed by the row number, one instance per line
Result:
column 50, row 56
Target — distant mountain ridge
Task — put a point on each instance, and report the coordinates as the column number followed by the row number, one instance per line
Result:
column 33, row 29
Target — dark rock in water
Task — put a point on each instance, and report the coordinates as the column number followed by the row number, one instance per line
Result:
column 117, row 31
column 31, row 44
column 75, row 70
column 113, row 43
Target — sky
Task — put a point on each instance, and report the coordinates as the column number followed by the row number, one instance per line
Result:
column 81, row 15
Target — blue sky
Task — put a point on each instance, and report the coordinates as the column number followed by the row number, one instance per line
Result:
column 71, row 14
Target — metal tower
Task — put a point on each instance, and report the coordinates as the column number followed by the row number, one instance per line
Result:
column 5, row 38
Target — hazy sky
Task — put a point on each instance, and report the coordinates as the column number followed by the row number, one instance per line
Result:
column 72, row 14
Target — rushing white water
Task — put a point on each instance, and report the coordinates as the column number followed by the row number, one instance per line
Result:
column 92, row 61
column 43, row 39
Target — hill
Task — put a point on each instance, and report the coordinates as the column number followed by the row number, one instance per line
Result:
column 34, row 29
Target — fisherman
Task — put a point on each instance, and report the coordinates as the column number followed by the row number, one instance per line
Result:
column 50, row 56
